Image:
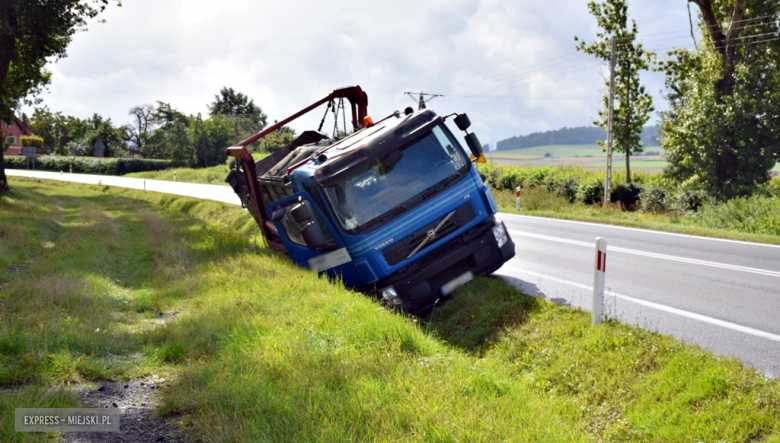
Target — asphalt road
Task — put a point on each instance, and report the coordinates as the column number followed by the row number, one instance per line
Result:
column 722, row 295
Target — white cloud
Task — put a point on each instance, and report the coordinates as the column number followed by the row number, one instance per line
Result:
column 287, row 54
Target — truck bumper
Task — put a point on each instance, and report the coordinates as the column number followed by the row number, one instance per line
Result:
column 474, row 253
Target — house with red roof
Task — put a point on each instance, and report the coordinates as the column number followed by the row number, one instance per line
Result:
column 13, row 132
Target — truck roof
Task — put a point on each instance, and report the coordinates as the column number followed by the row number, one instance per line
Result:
column 331, row 158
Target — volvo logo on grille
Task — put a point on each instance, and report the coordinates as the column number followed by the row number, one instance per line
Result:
column 431, row 234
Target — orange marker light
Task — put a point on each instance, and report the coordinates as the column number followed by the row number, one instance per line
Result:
column 368, row 121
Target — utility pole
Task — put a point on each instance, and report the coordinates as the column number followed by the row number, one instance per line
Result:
column 421, row 100
column 610, row 135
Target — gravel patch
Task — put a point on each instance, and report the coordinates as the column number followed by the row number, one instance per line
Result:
column 137, row 400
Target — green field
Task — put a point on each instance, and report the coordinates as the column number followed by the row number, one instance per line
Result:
column 592, row 150
column 636, row 163
column 115, row 284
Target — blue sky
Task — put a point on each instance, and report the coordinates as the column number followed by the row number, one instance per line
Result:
column 510, row 64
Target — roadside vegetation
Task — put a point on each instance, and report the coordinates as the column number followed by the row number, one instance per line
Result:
column 107, row 283
column 651, row 201
column 214, row 175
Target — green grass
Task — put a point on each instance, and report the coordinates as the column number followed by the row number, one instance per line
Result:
column 592, row 150
column 213, row 175
column 636, row 163
column 260, row 350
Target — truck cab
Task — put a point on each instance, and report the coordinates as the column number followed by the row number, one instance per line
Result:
column 396, row 208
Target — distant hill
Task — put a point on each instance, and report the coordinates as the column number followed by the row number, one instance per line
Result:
column 570, row 136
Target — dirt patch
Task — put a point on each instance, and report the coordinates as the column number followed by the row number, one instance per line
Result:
column 137, row 400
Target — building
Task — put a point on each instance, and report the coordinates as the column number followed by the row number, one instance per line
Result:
column 13, row 133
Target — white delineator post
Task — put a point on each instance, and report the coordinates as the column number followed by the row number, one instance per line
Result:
column 598, row 280
column 517, row 199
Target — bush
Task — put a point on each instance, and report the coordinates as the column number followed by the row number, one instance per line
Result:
column 591, row 192
column 627, row 194
column 653, row 199
column 689, row 200
column 568, row 189
column 757, row 215
column 772, row 187
column 508, row 181
column 89, row 165
column 31, row 140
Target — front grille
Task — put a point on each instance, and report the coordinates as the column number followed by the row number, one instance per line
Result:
column 402, row 249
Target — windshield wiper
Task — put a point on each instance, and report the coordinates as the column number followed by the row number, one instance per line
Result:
column 443, row 184
column 391, row 213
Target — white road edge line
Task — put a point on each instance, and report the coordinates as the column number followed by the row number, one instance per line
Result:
column 646, row 231
column 654, row 255
column 660, row 307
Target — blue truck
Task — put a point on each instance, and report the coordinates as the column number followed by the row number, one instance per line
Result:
column 396, row 208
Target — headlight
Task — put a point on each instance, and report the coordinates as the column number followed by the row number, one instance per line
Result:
column 390, row 296
column 499, row 232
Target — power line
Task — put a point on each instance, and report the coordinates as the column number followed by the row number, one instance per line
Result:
column 493, row 83
column 518, row 70
column 482, row 89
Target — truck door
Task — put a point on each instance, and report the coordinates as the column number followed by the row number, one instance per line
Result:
column 310, row 240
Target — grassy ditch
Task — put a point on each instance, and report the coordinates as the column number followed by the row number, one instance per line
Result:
column 110, row 283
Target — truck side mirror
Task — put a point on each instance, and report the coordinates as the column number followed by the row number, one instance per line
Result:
column 462, row 121
column 300, row 213
column 473, row 142
column 312, row 236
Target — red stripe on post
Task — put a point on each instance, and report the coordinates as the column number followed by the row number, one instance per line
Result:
column 518, row 193
column 598, row 263
column 605, row 263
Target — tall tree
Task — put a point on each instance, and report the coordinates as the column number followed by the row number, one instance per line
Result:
column 722, row 129
column 633, row 104
column 32, row 32
column 142, row 124
column 172, row 138
column 248, row 118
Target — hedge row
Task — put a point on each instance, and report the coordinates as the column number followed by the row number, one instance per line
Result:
column 89, row 165
column 649, row 192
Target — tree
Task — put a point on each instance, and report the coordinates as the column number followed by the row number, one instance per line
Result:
column 171, row 140
column 247, row 117
column 103, row 129
column 57, row 130
column 141, row 126
column 278, row 139
column 722, row 129
column 212, row 138
column 32, row 33
column 633, row 104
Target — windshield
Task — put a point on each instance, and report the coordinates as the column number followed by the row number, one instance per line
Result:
column 382, row 187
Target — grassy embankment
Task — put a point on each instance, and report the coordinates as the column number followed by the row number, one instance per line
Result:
column 112, row 284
